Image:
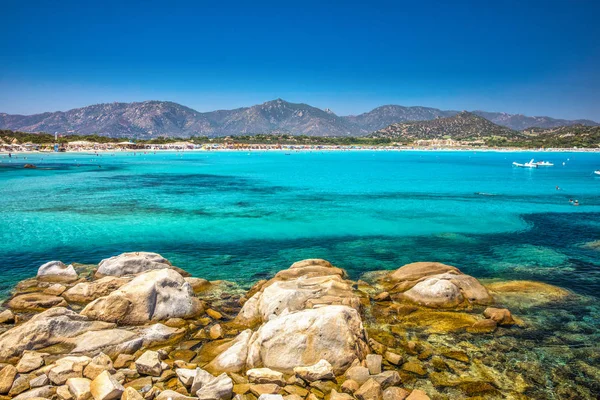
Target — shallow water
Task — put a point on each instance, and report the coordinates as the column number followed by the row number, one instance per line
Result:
column 243, row 216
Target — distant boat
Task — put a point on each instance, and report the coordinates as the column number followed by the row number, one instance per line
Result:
column 529, row 164
column 597, row 172
column 544, row 164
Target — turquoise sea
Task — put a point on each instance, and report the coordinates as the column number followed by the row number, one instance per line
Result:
column 243, row 216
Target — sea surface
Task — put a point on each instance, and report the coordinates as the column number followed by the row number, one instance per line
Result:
column 243, row 216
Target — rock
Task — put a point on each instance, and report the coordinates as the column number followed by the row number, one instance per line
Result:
column 64, row 393
column 502, row 316
column 100, row 363
column 349, row 386
column 56, row 271
column 172, row 395
column 186, row 376
column 370, row 390
column 201, row 379
column 35, row 302
column 131, row 264
column 334, row 395
column 220, row 388
column 457, row 355
column 106, row 387
column 140, row 383
column 483, row 326
column 123, row 360
column 214, row 314
column 7, row 377
column 296, row 390
column 374, row 363
column 392, row 358
column 79, row 388
column 29, row 166
column 54, row 326
column 417, row 395
column 198, row 284
column 265, row 375
column 20, row 384
column 149, row 364
column 434, row 292
column 387, row 379
column 39, row 381
column 395, row 393
column 383, row 296
column 414, row 367
column 270, row 397
column 231, row 355
column 319, row 371
column 84, row 292
column 334, row 333
column 359, row 374
column 44, row 392
column 68, row 367
column 215, row 332
column 131, row 394
column 7, row 317
column 152, row 296
column 264, row 388
column 30, row 361
column 55, row 290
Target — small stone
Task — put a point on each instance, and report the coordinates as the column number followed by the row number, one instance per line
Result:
column 457, row 355
column 7, row 377
column 123, row 360
column 201, row 379
column 414, row 367
column 417, row 395
column 131, row 394
column 370, row 390
column 149, row 364
column 350, row 386
column 55, row 290
column 220, row 388
column 39, row 381
column 264, row 388
column 483, row 326
column 44, row 392
column 377, row 347
column 393, row 358
column 79, row 388
column 215, row 332
column 293, row 397
column 359, row 374
column 186, row 376
column 106, row 387
column 502, row 316
column 387, row 379
column 20, row 384
column 171, row 395
column 100, row 363
column 241, row 388
column 68, row 367
column 395, row 393
column 30, row 361
column 374, row 363
column 64, row 393
column 334, row 395
column 297, row 390
column 383, row 296
column 214, row 314
column 316, row 372
column 265, row 375
column 7, row 317
column 139, row 383
column 270, row 397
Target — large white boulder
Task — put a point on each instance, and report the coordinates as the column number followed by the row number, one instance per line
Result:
column 152, row 296
column 333, row 333
column 56, row 271
column 131, row 264
column 54, row 326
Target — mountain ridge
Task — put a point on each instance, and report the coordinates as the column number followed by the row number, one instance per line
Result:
column 153, row 118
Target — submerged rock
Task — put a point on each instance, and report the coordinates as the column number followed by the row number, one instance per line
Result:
column 133, row 263
column 152, row 296
column 51, row 327
column 56, row 271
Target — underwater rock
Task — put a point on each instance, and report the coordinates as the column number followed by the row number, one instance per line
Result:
column 502, row 316
column 526, row 294
column 152, row 296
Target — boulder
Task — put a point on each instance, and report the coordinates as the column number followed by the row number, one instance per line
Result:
column 131, row 394
column 333, row 333
column 435, row 285
column 186, row 376
column 35, row 302
column 265, row 375
column 84, row 292
column 39, row 381
column 100, row 363
column 30, row 361
column 132, row 264
column 106, row 387
column 231, row 356
column 198, row 284
column 7, row 317
column 20, row 384
column 387, row 379
column 55, row 290
column 56, row 271
column 370, row 390
column 502, row 316
column 220, row 388
column 201, row 379
column 79, row 388
column 54, row 326
column 317, row 372
column 67, row 367
column 7, row 377
column 44, row 392
column 152, row 296
column 149, row 364
column 358, row 374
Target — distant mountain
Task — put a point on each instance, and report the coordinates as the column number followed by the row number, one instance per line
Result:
column 150, row 119
column 462, row 126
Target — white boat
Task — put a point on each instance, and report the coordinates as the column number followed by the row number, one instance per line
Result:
column 597, row 172
column 544, row 164
column 529, row 164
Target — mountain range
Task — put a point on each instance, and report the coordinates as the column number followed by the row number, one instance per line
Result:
column 150, row 119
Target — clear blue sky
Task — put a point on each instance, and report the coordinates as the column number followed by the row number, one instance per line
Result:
column 531, row 57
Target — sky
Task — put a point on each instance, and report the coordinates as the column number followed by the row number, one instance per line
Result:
column 530, row 57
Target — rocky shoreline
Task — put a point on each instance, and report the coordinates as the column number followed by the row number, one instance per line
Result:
column 137, row 327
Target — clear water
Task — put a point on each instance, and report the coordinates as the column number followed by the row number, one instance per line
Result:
column 241, row 216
